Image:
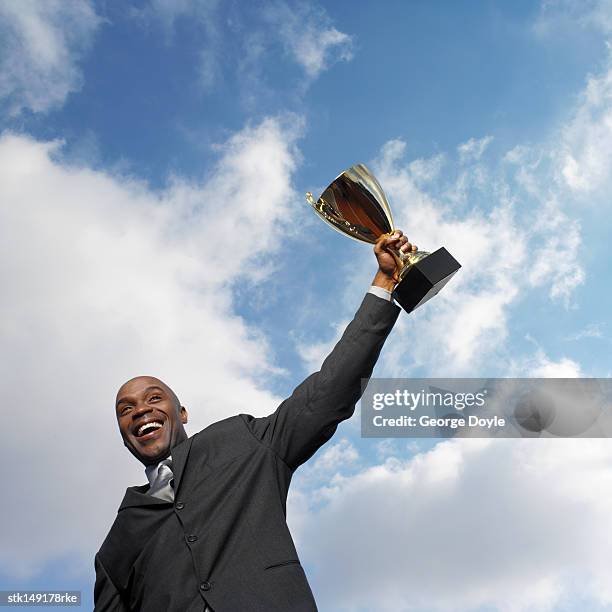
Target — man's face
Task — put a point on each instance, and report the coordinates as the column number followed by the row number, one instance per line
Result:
column 150, row 418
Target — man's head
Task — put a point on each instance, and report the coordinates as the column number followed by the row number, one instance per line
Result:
column 150, row 418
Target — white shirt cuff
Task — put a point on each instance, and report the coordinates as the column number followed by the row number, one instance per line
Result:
column 380, row 292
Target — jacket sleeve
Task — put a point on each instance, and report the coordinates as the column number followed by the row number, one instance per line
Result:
column 310, row 416
column 106, row 597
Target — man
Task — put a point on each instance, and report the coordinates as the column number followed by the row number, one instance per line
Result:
column 208, row 532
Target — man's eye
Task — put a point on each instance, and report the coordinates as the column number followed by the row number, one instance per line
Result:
column 155, row 397
column 125, row 409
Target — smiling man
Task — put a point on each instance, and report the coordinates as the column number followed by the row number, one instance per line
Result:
column 150, row 418
column 208, row 531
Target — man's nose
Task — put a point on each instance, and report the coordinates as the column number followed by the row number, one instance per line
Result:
column 140, row 408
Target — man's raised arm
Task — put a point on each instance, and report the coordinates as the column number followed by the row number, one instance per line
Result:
column 310, row 416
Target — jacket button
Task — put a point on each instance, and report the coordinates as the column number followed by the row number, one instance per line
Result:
column 179, row 505
column 205, row 586
column 192, row 538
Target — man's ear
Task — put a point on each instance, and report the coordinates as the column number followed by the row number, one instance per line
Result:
column 184, row 415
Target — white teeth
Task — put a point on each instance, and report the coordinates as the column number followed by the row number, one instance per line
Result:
column 151, row 425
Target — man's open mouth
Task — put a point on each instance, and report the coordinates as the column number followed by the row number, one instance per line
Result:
column 148, row 430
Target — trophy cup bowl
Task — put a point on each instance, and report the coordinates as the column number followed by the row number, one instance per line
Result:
column 355, row 205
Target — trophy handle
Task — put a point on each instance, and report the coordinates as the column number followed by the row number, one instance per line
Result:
column 311, row 200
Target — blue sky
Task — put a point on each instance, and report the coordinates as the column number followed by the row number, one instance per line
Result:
column 153, row 161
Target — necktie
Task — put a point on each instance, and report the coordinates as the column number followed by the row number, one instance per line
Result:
column 162, row 483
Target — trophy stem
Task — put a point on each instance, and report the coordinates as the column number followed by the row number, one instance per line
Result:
column 409, row 259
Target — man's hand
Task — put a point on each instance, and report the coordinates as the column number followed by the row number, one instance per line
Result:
column 389, row 264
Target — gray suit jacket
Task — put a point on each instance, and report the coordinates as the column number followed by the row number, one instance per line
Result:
column 224, row 540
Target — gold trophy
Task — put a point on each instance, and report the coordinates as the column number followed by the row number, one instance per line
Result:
column 355, row 205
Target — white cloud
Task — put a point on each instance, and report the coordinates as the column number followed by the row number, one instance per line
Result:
column 313, row 354
column 423, row 171
column 330, row 463
column 556, row 259
column 600, row 16
column 583, row 149
column 592, row 330
column 108, row 280
column 473, row 148
column 564, row 18
column 304, row 31
column 309, row 36
column 512, row 525
column 586, row 146
column 540, row 365
column 565, row 367
column 42, row 42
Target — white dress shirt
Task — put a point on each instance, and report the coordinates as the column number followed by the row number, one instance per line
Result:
column 385, row 294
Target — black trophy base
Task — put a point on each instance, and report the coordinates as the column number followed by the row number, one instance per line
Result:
column 424, row 279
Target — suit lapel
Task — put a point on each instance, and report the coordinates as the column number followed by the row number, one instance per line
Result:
column 180, row 454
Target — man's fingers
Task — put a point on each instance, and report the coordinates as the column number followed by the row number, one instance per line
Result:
column 379, row 246
column 396, row 241
column 409, row 248
column 386, row 241
column 397, row 238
